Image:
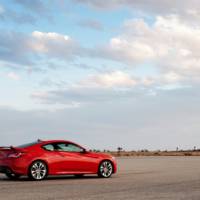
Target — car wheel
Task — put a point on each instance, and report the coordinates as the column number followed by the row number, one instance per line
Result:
column 38, row 170
column 12, row 176
column 105, row 169
column 78, row 175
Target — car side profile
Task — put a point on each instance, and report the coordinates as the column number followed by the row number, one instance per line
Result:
column 39, row 159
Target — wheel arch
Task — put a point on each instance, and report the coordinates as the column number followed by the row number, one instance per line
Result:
column 39, row 159
column 103, row 160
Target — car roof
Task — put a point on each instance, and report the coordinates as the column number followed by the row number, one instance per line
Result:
column 58, row 141
column 39, row 143
column 53, row 141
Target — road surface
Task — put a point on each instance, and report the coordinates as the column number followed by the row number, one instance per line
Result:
column 138, row 178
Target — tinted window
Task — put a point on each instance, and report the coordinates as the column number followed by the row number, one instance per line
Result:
column 67, row 147
column 48, row 147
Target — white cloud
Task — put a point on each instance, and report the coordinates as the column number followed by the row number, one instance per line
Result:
column 1, row 9
column 116, row 103
column 171, row 77
column 136, row 51
column 36, row 48
column 103, row 87
column 92, row 24
column 37, row 7
column 53, row 44
column 152, row 6
column 110, row 86
column 42, row 41
column 13, row 76
column 166, row 120
column 112, row 79
column 170, row 44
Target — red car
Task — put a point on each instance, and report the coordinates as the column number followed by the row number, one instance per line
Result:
column 55, row 157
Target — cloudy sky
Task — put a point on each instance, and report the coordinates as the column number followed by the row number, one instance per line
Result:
column 101, row 73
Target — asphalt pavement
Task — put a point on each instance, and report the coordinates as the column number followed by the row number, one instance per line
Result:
column 138, row 178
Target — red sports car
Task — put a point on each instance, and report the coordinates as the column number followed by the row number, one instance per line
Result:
column 55, row 157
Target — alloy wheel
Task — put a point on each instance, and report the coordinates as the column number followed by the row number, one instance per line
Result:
column 105, row 169
column 38, row 170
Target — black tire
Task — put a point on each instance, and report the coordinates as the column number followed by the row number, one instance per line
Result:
column 12, row 176
column 105, row 169
column 38, row 170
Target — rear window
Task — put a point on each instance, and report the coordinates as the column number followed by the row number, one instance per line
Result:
column 27, row 145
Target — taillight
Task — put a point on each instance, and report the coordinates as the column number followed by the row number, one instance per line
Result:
column 15, row 155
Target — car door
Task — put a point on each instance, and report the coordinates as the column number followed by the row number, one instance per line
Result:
column 55, row 159
column 74, row 159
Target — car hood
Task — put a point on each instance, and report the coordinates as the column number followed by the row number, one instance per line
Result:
column 100, row 155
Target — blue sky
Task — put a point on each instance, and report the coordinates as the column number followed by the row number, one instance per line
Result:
column 105, row 74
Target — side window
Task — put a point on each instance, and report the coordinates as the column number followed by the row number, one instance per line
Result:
column 67, row 147
column 48, row 147
column 74, row 148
